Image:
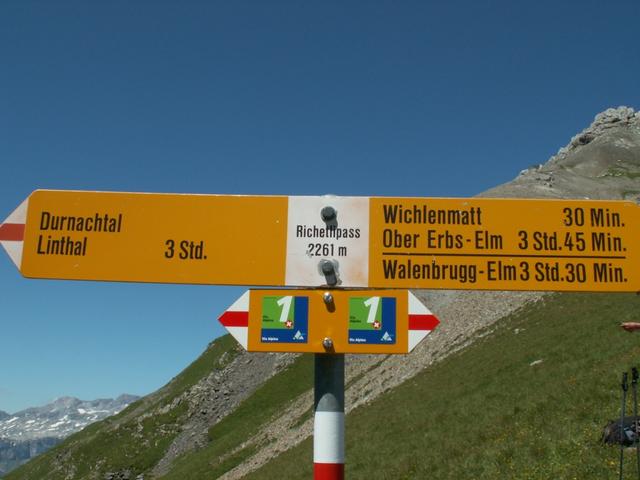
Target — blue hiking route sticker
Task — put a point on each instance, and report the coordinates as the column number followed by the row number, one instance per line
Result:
column 372, row 320
column 285, row 319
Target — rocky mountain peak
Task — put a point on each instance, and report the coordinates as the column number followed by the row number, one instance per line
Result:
column 601, row 162
column 126, row 399
column 604, row 122
column 621, row 116
column 64, row 402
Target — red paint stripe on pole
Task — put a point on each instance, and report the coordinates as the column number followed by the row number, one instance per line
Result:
column 423, row 322
column 328, row 471
column 13, row 232
column 234, row 319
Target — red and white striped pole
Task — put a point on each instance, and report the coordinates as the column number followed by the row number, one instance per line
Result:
column 328, row 422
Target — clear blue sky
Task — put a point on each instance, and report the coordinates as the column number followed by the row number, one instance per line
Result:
column 411, row 98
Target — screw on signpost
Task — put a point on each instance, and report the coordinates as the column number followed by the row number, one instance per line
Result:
column 328, row 269
column 625, row 386
column 634, row 389
column 328, row 214
column 329, row 302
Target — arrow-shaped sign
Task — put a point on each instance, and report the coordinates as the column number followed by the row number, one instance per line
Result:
column 361, row 242
column 12, row 233
column 331, row 321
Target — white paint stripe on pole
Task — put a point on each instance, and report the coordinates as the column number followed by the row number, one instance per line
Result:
column 328, row 437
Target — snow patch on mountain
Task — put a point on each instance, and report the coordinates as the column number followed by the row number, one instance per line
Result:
column 61, row 418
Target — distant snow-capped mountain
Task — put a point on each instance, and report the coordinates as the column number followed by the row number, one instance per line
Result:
column 59, row 419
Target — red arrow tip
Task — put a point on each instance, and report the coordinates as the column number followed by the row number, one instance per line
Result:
column 13, row 232
column 423, row 322
column 234, row 319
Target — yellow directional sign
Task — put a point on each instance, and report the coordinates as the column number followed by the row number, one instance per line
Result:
column 130, row 237
column 478, row 243
column 329, row 321
column 505, row 244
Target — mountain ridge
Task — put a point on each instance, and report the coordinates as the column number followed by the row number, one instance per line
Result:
column 60, row 418
column 34, row 430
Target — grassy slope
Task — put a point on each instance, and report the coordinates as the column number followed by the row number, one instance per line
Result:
column 487, row 413
column 233, row 430
column 482, row 413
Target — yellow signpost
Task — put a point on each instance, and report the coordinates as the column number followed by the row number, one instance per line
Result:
column 328, row 242
column 505, row 244
column 344, row 321
column 132, row 237
column 362, row 242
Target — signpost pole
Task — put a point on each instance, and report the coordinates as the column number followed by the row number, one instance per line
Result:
column 328, row 423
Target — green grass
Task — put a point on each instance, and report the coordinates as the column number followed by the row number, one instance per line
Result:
column 487, row 413
column 629, row 193
column 620, row 171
